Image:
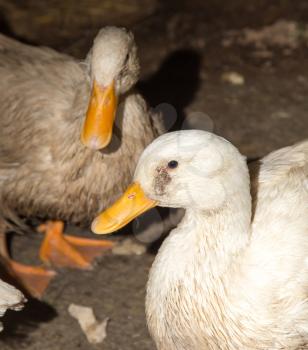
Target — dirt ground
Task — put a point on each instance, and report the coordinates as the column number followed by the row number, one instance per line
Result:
column 239, row 68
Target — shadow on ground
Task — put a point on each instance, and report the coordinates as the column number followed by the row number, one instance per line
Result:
column 20, row 324
column 173, row 87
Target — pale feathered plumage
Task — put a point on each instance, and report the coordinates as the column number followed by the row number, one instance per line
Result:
column 10, row 298
column 55, row 113
column 45, row 170
column 231, row 276
column 219, row 282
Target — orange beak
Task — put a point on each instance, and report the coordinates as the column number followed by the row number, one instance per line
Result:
column 132, row 203
column 97, row 129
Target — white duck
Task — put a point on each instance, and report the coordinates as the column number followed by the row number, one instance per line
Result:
column 232, row 275
column 10, row 298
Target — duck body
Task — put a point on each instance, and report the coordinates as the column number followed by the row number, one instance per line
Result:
column 45, row 169
column 56, row 116
column 231, row 288
column 233, row 274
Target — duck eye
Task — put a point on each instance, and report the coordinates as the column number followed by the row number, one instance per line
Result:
column 173, row 164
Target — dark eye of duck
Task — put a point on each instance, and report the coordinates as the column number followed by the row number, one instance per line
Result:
column 173, row 164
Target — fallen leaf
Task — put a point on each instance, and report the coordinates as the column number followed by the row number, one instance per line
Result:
column 233, row 78
column 94, row 331
column 129, row 247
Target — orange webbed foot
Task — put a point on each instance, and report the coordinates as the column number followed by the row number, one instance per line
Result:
column 34, row 280
column 68, row 251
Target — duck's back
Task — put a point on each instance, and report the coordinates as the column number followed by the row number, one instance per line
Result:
column 25, row 66
column 277, row 257
column 37, row 91
column 280, row 198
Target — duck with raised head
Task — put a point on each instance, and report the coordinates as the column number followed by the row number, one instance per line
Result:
column 233, row 274
column 57, row 118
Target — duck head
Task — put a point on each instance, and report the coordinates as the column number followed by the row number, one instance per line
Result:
column 188, row 169
column 114, row 69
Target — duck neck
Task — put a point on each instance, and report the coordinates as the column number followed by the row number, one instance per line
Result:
column 218, row 237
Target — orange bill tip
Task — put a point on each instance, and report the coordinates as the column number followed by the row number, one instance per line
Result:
column 130, row 205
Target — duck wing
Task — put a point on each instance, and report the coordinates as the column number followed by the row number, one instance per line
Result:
column 280, row 189
column 23, row 65
column 41, row 91
column 9, row 161
column 279, row 236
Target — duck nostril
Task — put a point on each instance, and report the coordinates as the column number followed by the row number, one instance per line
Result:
column 131, row 196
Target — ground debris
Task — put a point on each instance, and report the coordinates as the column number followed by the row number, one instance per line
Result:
column 280, row 115
column 233, row 78
column 129, row 247
column 94, row 331
column 281, row 34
